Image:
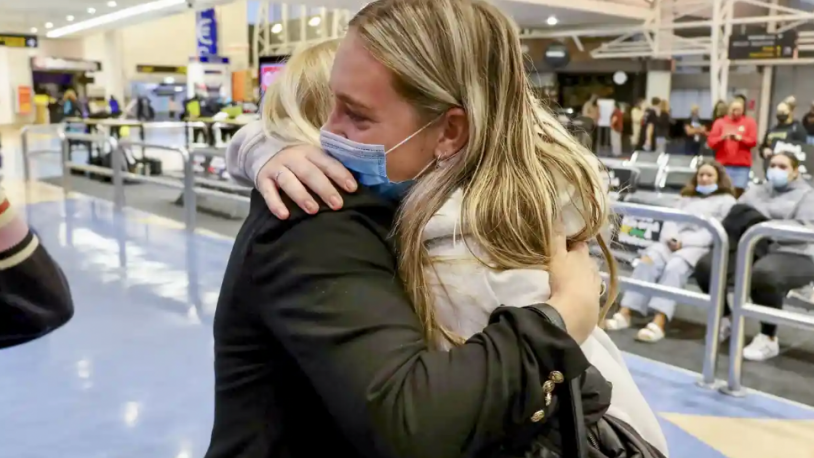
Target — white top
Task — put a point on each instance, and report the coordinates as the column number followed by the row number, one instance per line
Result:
column 471, row 291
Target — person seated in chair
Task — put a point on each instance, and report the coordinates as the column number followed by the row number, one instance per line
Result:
column 671, row 261
column 779, row 266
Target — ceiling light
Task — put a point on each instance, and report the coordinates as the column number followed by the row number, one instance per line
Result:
column 49, row 25
column 33, row 30
column 111, row 4
column 314, row 21
column 91, row 10
column 552, row 20
column 69, row 18
column 276, row 28
column 169, row 80
column 119, row 15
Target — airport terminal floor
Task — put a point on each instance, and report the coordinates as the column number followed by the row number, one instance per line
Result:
column 131, row 375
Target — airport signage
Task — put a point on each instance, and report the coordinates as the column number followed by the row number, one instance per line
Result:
column 206, row 30
column 59, row 64
column 557, row 55
column 160, row 69
column 13, row 40
column 763, row 46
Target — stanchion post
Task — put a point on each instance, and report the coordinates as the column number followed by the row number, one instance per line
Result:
column 717, row 291
column 117, row 163
column 190, row 199
column 24, row 149
column 66, row 158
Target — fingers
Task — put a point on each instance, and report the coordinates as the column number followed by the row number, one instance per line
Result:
column 269, row 192
column 334, row 170
column 312, row 177
column 293, row 188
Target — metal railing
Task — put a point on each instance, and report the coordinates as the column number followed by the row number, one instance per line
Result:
column 50, row 129
column 743, row 308
column 190, row 185
column 713, row 302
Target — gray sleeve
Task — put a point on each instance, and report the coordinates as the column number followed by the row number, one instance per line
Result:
column 805, row 210
column 249, row 151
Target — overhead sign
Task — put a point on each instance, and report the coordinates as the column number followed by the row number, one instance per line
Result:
column 160, row 69
column 207, row 32
column 557, row 55
column 59, row 64
column 13, row 40
column 763, row 46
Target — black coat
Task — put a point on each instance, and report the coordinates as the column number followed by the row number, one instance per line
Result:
column 318, row 351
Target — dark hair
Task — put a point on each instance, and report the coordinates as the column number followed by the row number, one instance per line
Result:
column 724, row 182
column 795, row 161
column 655, row 101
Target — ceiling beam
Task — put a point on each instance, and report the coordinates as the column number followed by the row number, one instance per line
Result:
column 607, row 7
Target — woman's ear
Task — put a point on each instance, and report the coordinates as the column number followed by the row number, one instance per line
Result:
column 454, row 133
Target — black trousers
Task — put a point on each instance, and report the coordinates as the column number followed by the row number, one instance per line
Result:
column 773, row 276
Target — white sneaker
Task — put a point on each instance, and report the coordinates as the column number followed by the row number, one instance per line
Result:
column 762, row 348
column 725, row 330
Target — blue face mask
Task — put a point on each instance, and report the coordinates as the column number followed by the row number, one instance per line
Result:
column 706, row 188
column 368, row 162
column 778, row 178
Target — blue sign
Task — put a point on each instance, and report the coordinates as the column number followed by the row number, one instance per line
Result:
column 207, row 32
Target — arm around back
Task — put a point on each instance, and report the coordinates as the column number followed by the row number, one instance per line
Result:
column 332, row 297
column 249, row 151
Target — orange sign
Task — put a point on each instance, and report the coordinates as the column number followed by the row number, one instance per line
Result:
column 25, row 100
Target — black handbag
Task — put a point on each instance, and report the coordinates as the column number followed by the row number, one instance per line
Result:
column 577, row 424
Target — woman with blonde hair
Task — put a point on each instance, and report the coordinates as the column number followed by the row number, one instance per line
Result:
column 311, row 321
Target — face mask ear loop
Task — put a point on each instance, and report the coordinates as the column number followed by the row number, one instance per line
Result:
column 412, row 135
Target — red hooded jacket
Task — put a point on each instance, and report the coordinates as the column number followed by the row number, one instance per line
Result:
column 729, row 151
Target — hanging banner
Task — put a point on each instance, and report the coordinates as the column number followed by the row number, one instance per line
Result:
column 24, row 102
column 207, row 32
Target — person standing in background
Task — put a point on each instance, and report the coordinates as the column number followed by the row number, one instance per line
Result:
column 808, row 124
column 647, row 134
column 617, row 126
column 662, row 128
column 791, row 101
column 636, row 114
column 787, row 129
column 696, row 132
column 720, row 110
column 591, row 110
column 732, row 138
column 34, row 294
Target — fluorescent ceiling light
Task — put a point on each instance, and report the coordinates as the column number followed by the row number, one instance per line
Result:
column 122, row 14
column 314, row 21
column 276, row 28
column 49, row 25
column 70, row 18
column 111, row 4
column 33, row 30
column 552, row 20
column 91, row 10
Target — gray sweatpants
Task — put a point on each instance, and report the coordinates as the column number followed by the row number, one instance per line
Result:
column 664, row 269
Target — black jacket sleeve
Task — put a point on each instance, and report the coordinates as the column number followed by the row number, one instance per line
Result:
column 335, row 302
column 34, row 295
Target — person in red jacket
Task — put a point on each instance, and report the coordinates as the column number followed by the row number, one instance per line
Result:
column 732, row 138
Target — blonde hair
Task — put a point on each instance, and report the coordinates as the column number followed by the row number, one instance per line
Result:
column 299, row 101
column 520, row 171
